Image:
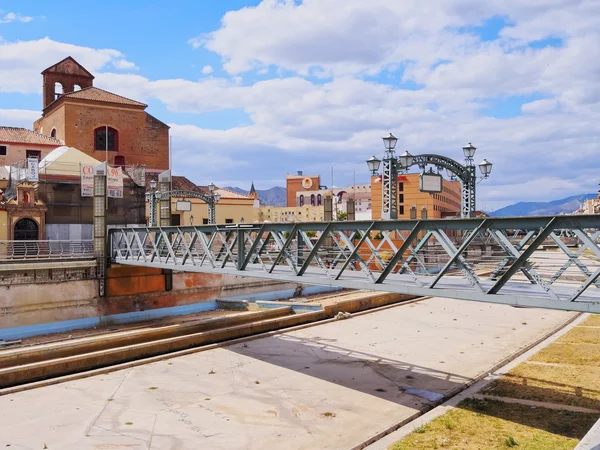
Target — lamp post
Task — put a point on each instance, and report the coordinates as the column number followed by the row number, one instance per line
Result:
column 392, row 165
column 214, row 197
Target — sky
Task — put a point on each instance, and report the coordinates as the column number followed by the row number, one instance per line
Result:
column 254, row 89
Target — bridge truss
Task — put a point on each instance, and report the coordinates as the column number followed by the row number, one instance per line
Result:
column 517, row 261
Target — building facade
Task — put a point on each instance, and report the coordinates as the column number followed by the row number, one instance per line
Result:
column 98, row 122
column 18, row 144
column 292, row 214
column 414, row 204
column 300, row 183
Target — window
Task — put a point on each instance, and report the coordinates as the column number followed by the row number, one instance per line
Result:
column 413, row 212
column 2, row 150
column 176, row 219
column 401, row 187
column 424, row 213
column 204, row 221
column 401, row 198
column 53, row 133
column 319, row 199
column 301, row 200
column 120, row 161
column 312, row 200
column 401, row 210
column 228, row 220
column 100, row 139
column 33, row 154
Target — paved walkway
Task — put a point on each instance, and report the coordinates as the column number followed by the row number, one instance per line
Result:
column 331, row 386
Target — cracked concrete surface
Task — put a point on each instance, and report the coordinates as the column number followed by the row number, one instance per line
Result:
column 330, row 386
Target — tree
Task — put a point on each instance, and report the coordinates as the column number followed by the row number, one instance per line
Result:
column 341, row 216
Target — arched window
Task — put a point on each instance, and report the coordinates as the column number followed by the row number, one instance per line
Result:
column 53, row 133
column 120, row 161
column 319, row 199
column 100, row 141
column 76, row 88
column 312, row 199
column 58, row 90
column 301, row 200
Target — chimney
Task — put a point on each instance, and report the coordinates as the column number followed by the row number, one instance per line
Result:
column 300, row 173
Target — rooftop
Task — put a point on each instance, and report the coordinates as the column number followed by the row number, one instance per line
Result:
column 100, row 95
column 183, row 184
column 16, row 135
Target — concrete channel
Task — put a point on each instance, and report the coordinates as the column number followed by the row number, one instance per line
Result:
column 39, row 362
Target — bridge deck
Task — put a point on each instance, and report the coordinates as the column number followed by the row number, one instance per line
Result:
column 489, row 260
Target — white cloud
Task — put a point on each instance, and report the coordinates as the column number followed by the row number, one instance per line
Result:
column 22, row 61
column 14, row 17
column 18, row 118
column 365, row 52
column 543, row 106
column 124, row 64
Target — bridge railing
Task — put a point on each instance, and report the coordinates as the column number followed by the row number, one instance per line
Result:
column 45, row 250
column 486, row 259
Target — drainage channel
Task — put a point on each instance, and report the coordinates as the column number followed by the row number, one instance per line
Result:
column 39, row 363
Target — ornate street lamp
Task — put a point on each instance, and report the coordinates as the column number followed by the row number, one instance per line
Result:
column 486, row 168
column 373, row 164
column 406, row 160
column 390, row 142
column 469, row 151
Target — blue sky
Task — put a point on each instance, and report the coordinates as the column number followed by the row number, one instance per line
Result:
column 257, row 89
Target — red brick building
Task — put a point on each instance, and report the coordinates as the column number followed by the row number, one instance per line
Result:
column 92, row 119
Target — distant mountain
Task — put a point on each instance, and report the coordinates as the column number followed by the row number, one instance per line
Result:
column 565, row 205
column 276, row 196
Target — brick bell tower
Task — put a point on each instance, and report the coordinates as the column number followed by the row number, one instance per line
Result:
column 63, row 77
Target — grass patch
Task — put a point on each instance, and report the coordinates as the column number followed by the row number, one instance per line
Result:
column 328, row 414
column 128, row 423
column 490, row 425
column 580, row 335
column 577, row 354
column 592, row 321
column 152, row 388
column 575, row 386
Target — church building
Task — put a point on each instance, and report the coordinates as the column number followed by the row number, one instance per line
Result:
column 97, row 122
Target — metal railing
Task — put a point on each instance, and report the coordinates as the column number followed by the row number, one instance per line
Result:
column 45, row 250
column 499, row 260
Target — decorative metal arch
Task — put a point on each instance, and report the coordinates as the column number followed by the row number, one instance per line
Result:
column 465, row 173
column 154, row 197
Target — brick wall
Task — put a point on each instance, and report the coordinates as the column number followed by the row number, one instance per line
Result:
column 142, row 138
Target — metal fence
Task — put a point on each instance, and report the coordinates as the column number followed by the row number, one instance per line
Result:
column 520, row 261
column 45, row 250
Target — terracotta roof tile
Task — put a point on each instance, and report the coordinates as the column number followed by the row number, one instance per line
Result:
column 183, row 184
column 24, row 136
column 100, row 95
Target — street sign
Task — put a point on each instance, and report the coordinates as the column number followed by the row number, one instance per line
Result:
column 33, row 170
column 115, row 182
column 430, row 182
column 87, row 180
column 183, row 205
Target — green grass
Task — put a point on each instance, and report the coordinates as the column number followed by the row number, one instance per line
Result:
column 492, row 425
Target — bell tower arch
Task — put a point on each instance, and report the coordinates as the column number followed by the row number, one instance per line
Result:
column 63, row 77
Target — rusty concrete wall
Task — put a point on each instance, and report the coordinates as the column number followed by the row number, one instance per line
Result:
column 140, row 289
